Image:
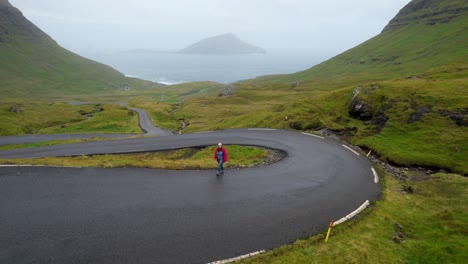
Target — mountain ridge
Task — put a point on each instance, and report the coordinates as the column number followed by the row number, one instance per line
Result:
column 33, row 64
column 401, row 50
column 430, row 12
column 12, row 22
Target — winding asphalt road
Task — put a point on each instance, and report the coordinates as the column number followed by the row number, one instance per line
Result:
column 144, row 121
column 128, row 215
column 146, row 125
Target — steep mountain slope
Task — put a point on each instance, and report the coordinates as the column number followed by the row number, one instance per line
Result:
column 425, row 34
column 33, row 65
column 222, row 44
column 429, row 12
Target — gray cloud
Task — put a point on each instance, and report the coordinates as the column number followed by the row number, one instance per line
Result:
column 322, row 27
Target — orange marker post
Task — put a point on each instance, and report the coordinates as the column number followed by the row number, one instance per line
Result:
column 329, row 231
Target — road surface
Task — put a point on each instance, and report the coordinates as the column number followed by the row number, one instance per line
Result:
column 129, row 215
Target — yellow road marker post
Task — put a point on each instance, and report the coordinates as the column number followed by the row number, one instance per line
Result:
column 369, row 153
column 329, row 231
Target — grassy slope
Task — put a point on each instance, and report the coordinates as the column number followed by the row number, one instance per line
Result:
column 59, row 118
column 434, row 228
column 43, row 70
column 56, row 118
column 403, row 52
column 33, row 65
column 435, row 55
column 395, row 54
column 434, row 140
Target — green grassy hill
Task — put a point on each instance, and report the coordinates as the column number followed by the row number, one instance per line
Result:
column 33, row 65
column 413, row 102
column 426, row 35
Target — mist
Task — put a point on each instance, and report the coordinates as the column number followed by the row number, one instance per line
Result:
column 324, row 28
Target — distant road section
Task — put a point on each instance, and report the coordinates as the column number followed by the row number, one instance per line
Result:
column 144, row 121
column 146, row 125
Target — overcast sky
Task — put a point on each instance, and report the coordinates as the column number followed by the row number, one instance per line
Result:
column 324, row 27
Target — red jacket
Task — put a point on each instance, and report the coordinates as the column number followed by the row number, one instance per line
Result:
column 225, row 157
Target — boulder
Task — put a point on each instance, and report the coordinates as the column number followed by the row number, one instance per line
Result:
column 419, row 114
column 229, row 90
column 380, row 119
column 15, row 109
column 460, row 119
column 359, row 108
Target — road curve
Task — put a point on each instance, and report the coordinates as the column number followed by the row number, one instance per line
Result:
column 146, row 125
column 144, row 121
column 127, row 215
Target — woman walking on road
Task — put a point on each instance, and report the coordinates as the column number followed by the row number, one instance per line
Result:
column 221, row 156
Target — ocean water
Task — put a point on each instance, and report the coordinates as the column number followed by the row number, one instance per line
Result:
column 171, row 68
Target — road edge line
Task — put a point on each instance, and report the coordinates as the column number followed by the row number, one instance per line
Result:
column 42, row 166
column 261, row 129
column 353, row 213
column 355, row 152
column 376, row 176
column 224, row 261
column 312, row 135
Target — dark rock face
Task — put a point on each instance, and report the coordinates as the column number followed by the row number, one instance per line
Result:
column 380, row 119
column 358, row 108
column 295, row 125
column 362, row 108
column 228, row 91
column 13, row 23
column 429, row 12
column 408, row 189
column 460, row 119
column 15, row 109
column 419, row 114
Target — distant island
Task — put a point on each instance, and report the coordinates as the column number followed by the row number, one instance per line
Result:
column 222, row 44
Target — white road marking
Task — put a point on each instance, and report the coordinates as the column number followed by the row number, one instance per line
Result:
column 237, row 258
column 312, row 135
column 44, row 166
column 203, row 132
column 353, row 214
column 376, row 176
column 262, row 129
column 355, row 152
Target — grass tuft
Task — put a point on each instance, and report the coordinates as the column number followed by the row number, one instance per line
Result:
column 181, row 159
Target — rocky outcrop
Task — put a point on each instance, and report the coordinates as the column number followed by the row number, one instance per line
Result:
column 460, row 119
column 379, row 120
column 361, row 107
column 229, row 90
column 358, row 108
column 419, row 114
column 429, row 12
column 15, row 109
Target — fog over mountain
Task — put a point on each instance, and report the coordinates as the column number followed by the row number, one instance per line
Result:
column 325, row 27
column 222, row 44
